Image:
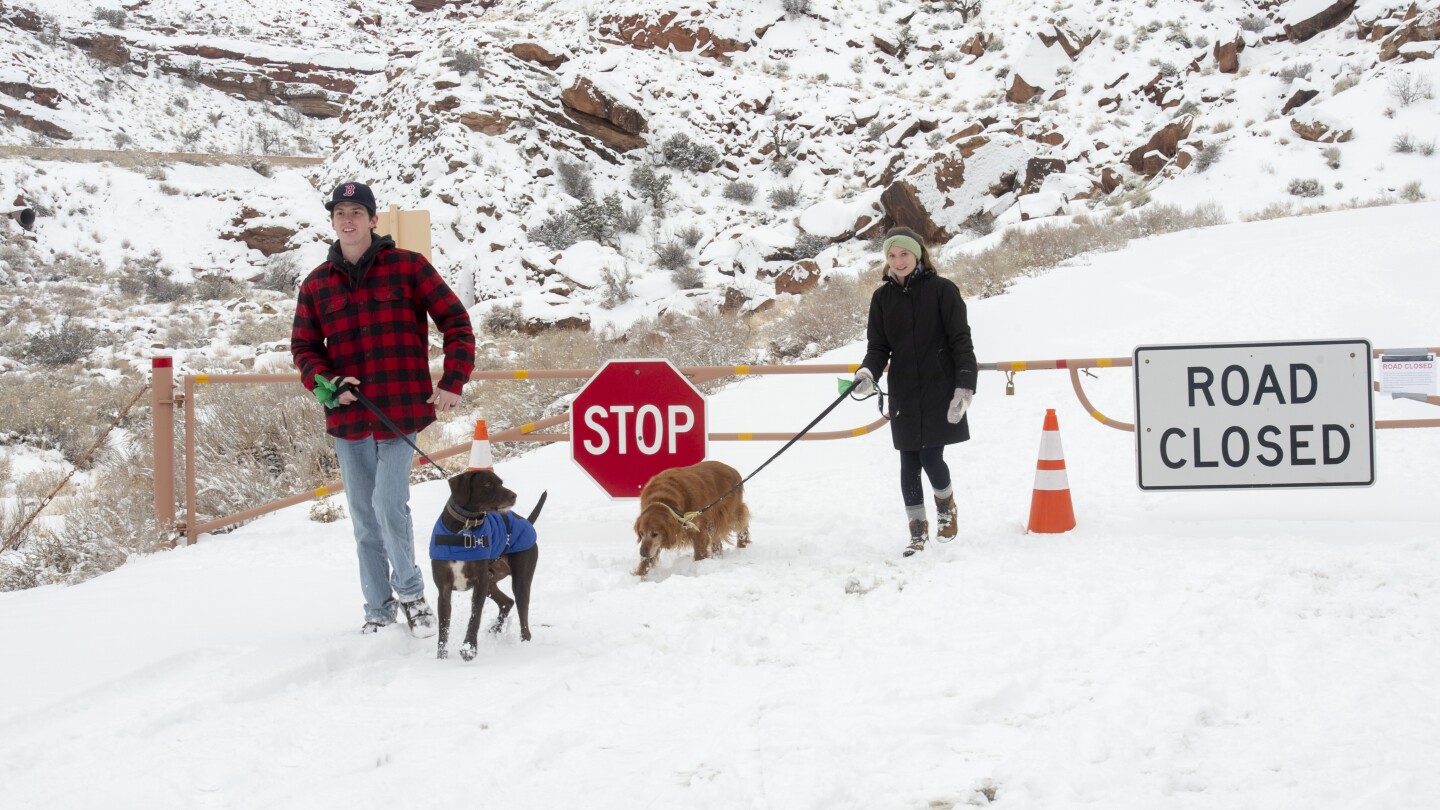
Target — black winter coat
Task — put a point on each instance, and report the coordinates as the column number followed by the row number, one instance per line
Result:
column 920, row 328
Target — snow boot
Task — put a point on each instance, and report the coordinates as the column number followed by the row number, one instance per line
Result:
column 945, row 523
column 370, row 626
column 420, row 618
column 919, row 533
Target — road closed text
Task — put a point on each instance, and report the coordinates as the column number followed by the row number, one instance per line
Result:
column 1271, row 444
column 1254, row 415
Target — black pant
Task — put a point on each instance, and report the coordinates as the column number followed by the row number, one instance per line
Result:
column 932, row 460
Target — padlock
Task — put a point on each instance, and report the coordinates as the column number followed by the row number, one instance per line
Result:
column 1009, row 383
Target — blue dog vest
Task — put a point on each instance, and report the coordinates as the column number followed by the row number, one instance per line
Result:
column 487, row 541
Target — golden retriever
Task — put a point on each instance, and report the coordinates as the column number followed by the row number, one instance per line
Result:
column 690, row 489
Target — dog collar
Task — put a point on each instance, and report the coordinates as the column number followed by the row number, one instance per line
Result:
column 469, row 520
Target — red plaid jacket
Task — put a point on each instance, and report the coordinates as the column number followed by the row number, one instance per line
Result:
column 368, row 322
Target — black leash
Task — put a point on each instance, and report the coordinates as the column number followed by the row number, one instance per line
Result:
column 688, row 519
column 385, row 420
column 363, row 400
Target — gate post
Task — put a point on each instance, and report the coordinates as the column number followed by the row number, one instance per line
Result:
column 162, row 426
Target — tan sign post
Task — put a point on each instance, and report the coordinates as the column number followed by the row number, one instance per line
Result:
column 409, row 229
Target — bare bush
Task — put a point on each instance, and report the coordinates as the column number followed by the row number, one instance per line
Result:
column 1254, row 24
column 256, row 443
column 1207, row 156
column 215, row 287
column 252, row 331
column 575, row 178
column 1295, row 70
column 327, row 510
column 690, row 235
column 145, row 276
column 784, row 196
column 617, row 287
column 282, row 273
column 1404, row 143
column 830, row 315
column 1306, row 187
column 630, row 219
column 467, row 62
column 49, row 413
column 1407, row 89
column 61, row 345
column 740, row 191
column 1018, row 252
column 1411, row 192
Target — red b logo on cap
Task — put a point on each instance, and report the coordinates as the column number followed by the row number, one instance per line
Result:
column 349, row 190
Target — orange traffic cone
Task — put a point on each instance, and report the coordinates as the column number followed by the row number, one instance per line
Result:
column 1050, row 509
column 480, row 458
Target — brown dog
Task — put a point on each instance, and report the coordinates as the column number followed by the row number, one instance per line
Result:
column 476, row 543
column 675, row 492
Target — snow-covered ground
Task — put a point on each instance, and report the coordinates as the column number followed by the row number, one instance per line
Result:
column 1269, row 649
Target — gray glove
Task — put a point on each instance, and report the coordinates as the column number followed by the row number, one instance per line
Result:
column 864, row 383
column 959, row 405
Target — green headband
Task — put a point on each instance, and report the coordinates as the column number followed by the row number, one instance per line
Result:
column 903, row 241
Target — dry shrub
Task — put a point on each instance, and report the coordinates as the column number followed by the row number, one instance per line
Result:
column 830, row 315
column 252, row 331
column 327, row 510
column 102, row 525
column 1027, row 251
column 46, row 413
column 258, row 443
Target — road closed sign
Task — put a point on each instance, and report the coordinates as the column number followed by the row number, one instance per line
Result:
column 1239, row 415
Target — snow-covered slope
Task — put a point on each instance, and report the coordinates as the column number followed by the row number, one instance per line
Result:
column 1195, row 650
column 938, row 115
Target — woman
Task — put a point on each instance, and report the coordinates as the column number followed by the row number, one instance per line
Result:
column 917, row 324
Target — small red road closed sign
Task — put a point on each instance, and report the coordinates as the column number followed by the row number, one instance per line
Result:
column 633, row 419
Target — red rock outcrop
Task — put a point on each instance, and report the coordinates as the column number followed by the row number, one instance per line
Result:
column 1319, row 132
column 644, row 32
column 532, row 52
column 614, row 124
column 34, row 124
column 268, row 239
column 44, row 96
column 1021, row 91
column 1036, row 169
column 1299, row 98
column 1072, row 43
column 903, row 207
column 801, row 277
column 491, row 123
column 111, row 50
column 1424, row 28
column 1322, row 20
column 1227, row 55
column 1163, row 145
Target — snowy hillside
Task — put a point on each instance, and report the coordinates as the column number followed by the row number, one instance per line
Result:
column 1193, row 650
column 589, row 166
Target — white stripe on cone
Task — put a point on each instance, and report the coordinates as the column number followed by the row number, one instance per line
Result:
column 1051, row 480
column 1050, row 446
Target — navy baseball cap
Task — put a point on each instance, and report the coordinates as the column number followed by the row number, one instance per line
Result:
column 352, row 192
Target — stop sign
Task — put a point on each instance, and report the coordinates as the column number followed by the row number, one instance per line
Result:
column 634, row 419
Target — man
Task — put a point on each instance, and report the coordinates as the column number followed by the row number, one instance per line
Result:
column 360, row 319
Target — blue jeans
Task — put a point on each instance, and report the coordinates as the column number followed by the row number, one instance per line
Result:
column 377, row 488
